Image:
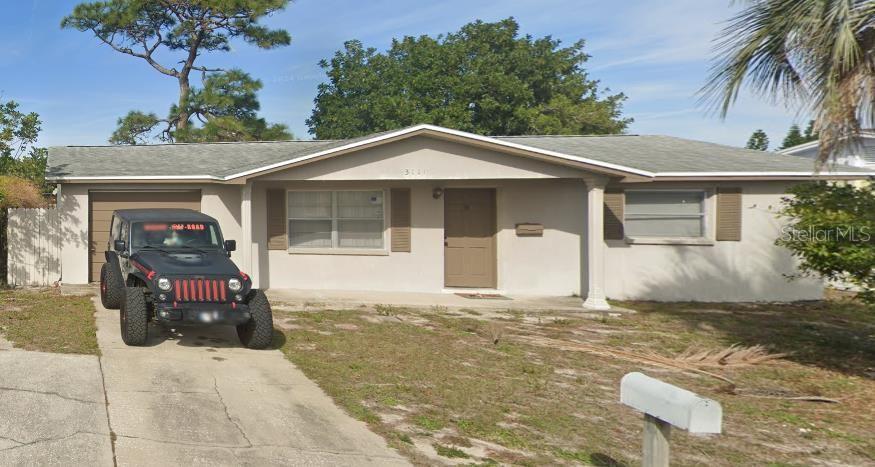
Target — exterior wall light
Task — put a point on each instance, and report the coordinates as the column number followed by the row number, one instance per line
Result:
column 437, row 193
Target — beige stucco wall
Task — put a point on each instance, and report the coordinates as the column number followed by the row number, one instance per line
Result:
column 223, row 203
column 548, row 265
column 749, row 270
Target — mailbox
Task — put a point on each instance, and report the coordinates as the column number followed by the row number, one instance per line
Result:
column 665, row 406
column 676, row 406
column 530, row 230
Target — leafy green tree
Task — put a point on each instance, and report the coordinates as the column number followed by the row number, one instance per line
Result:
column 758, row 140
column 818, row 55
column 484, row 79
column 156, row 30
column 19, row 155
column 832, row 232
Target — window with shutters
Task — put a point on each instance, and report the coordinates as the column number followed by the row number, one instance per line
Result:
column 663, row 213
column 340, row 220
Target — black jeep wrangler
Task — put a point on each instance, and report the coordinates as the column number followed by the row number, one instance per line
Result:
column 171, row 266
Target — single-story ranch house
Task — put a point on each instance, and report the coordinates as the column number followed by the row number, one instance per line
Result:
column 431, row 209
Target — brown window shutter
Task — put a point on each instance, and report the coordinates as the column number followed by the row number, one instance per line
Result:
column 276, row 220
column 615, row 202
column 400, row 221
column 729, row 214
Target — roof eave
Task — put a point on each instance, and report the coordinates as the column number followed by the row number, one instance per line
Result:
column 691, row 176
column 139, row 178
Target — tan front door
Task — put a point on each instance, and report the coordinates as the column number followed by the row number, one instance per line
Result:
column 469, row 238
column 101, row 204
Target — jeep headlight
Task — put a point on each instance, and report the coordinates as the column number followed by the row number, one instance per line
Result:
column 164, row 284
column 234, row 284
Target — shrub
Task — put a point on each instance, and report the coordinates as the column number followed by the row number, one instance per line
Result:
column 832, row 232
column 16, row 192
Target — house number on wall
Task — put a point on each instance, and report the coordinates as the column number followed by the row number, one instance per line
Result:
column 413, row 173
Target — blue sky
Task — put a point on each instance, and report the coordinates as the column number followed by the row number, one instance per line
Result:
column 655, row 52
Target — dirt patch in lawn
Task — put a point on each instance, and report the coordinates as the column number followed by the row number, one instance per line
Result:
column 482, row 388
column 46, row 321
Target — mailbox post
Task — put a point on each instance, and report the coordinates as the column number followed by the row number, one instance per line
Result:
column 664, row 406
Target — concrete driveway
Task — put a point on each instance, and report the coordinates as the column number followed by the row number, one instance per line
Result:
column 195, row 396
column 52, row 409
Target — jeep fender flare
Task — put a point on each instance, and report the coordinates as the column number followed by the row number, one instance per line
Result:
column 112, row 260
column 137, row 277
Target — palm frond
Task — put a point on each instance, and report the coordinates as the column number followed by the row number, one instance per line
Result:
column 815, row 55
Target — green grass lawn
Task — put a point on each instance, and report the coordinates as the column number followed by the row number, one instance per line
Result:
column 47, row 321
column 483, row 387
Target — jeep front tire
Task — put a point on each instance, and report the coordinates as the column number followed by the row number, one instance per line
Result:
column 111, row 287
column 257, row 333
column 134, row 316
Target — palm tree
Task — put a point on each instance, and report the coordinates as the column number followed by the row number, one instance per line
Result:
column 815, row 55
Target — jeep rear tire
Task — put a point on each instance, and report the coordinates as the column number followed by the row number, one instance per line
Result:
column 257, row 333
column 134, row 316
column 111, row 287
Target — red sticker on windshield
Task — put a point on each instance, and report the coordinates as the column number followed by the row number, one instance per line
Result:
column 154, row 227
column 189, row 227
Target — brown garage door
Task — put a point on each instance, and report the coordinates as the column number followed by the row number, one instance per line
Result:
column 101, row 204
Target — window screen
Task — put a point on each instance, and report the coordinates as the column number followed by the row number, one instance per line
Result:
column 339, row 219
column 665, row 213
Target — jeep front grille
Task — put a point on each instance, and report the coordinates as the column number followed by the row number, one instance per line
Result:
column 200, row 290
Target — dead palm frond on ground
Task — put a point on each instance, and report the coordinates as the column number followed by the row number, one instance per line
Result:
column 734, row 355
column 817, row 56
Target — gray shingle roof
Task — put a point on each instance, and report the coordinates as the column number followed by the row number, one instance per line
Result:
column 653, row 154
column 213, row 159
column 666, row 153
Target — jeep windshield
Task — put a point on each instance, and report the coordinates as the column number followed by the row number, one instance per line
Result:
column 167, row 235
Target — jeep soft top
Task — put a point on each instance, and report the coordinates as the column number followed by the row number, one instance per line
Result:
column 171, row 266
column 162, row 215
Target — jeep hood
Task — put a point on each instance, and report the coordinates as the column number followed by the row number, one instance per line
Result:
column 174, row 262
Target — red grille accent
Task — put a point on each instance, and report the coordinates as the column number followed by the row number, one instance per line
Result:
column 200, row 290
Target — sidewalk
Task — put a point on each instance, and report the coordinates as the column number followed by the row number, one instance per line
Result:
column 346, row 299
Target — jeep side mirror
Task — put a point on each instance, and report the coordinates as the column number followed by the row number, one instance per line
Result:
column 230, row 245
column 119, row 246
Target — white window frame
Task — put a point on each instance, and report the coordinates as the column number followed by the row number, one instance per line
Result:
column 703, row 217
column 335, row 249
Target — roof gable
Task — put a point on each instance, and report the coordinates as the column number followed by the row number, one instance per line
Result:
column 424, row 156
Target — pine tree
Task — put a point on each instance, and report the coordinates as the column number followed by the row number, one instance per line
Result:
column 794, row 137
column 758, row 140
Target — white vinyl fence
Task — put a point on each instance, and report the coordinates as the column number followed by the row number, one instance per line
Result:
column 34, row 246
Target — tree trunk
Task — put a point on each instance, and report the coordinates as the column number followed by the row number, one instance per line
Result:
column 184, row 91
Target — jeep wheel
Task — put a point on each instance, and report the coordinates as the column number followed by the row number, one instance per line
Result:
column 111, row 287
column 257, row 333
column 134, row 316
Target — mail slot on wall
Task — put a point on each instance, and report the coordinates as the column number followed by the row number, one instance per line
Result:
column 530, row 230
